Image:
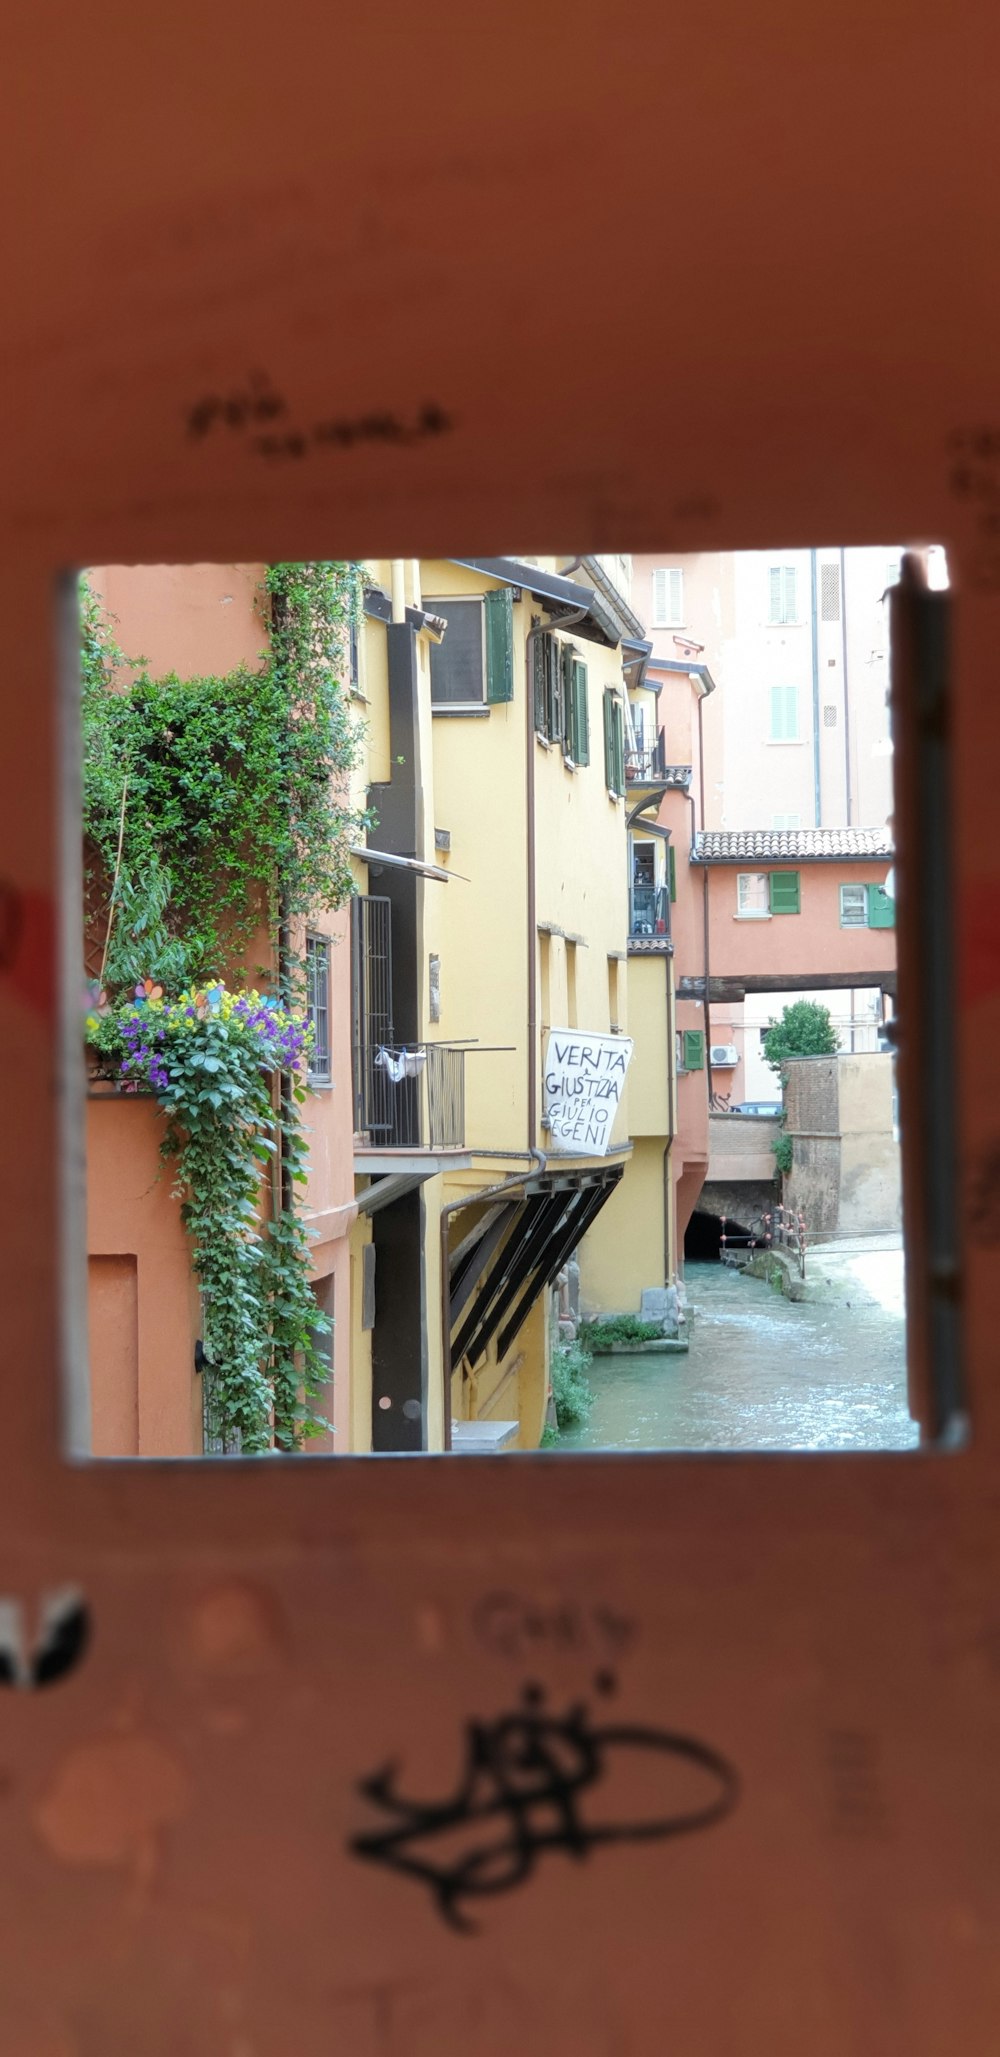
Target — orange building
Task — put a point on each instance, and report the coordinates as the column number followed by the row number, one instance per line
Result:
column 144, row 1313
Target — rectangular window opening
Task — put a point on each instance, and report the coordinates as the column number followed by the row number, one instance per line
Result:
column 668, row 1024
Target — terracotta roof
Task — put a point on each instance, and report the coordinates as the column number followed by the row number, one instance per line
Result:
column 732, row 846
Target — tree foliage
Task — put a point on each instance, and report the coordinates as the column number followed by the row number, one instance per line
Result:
column 805, row 1029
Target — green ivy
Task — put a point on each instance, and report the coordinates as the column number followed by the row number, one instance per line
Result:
column 217, row 810
column 217, row 807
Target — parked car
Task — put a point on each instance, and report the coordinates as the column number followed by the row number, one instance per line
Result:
column 768, row 1109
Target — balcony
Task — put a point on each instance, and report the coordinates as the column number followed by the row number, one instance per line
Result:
column 646, row 767
column 409, row 1097
column 649, row 918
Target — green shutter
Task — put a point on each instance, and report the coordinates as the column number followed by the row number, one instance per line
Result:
column 579, row 723
column 539, row 675
column 672, row 871
column 555, row 721
column 568, row 736
column 500, row 645
column 783, row 888
column 609, row 741
column 694, row 1049
column 618, row 728
column 881, row 910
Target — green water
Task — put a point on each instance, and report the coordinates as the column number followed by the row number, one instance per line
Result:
column 762, row 1374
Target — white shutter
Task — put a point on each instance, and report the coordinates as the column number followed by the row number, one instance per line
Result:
column 668, row 597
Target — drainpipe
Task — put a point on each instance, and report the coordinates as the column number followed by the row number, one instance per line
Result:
column 814, row 619
column 704, row 900
column 538, row 628
column 485, row 1193
column 847, row 697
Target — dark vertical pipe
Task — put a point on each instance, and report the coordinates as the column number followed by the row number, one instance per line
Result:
column 814, row 621
column 847, row 694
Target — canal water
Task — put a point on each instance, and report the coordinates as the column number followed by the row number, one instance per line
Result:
column 762, row 1373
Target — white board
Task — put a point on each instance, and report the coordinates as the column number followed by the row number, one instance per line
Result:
column 584, row 1076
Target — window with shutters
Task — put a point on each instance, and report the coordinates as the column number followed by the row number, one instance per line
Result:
column 881, row 908
column 752, row 899
column 458, row 662
column 668, row 597
column 614, row 743
column 550, row 682
column 474, row 662
column 784, row 714
column 782, row 602
column 783, row 892
column 853, row 907
column 829, row 592
column 786, row 821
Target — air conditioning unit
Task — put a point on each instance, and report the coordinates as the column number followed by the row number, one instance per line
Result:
column 724, row 1053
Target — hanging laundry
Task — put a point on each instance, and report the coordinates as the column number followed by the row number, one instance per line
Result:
column 408, row 1064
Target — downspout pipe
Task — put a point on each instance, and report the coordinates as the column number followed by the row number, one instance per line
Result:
column 704, row 901
column 849, row 796
column 517, row 1181
column 538, row 628
column 814, row 622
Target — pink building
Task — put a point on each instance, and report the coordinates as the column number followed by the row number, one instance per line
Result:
column 146, row 1398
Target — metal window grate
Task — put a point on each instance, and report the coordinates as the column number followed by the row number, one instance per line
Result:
column 318, row 1007
column 829, row 717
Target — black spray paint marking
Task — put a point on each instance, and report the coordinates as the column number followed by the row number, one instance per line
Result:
column 62, row 1639
column 520, row 1795
column 260, row 414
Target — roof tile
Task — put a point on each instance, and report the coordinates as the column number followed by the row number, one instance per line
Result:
column 730, row 846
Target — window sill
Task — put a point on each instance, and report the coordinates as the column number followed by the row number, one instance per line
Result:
column 785, row 742
column 461, row 713
column 751, row 915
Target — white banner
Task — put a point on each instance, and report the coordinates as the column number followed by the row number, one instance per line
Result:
column 584, row 1076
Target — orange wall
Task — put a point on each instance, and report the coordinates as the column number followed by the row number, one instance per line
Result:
column 203, row 620
column 143, row 1305
column 807, row 944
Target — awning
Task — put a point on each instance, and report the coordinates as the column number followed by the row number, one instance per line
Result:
column 427, row 871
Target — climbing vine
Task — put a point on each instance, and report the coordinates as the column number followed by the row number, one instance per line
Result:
column 213, row 806
column 217, row 811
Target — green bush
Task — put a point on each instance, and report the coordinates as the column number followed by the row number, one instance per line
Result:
column 598, row 1336
column 571, row 1388
column 782, row 1147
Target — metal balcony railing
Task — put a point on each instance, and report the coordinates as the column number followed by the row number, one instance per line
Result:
column 646, row 764
column 649, row 911
column 410, row 1096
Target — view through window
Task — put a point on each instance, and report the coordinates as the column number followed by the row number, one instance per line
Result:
column 489, row 1017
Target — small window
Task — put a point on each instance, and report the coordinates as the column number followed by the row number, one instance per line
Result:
column 458, row 666
column 853, row 907
column 782, row 593
column 679, row 1050
column 786, row 821
column 550, row 683
column 829, row 592
column 668, row 597
column 784, row 714
column 318, row 1007
column 354, row 657
column 783, row 891
column 752, row 894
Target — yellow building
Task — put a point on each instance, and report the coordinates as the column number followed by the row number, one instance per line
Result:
column 509, row 750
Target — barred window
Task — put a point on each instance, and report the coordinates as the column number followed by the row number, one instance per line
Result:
column 318, row 1007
